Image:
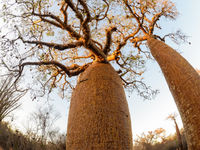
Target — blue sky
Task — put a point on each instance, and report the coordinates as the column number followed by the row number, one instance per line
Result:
column 146, row 115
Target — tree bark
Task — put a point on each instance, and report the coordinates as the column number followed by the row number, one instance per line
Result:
column 99, row 117
column 184, row 84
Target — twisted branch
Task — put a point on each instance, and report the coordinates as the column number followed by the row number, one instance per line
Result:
column 55, row 45
column 108, row 39
column 72, row 70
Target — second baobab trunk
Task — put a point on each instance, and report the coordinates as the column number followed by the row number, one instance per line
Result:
column 99, row 118
column 184, row 84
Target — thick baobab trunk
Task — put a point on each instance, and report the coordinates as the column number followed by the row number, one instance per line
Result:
column 99, row 117
column 184, row 84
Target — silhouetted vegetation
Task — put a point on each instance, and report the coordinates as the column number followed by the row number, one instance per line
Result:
column 9, row 96
column 157, row 140
column 153, row 140
column 10, row 139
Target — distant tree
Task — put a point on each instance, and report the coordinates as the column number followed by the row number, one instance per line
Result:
column 67, row 38
column 41, row 125
column 148, row 140
column 158, row 140
column 9, row 96
column 180, row 141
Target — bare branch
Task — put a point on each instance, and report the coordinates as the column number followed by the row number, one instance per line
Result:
column 128, row 69
column 154, row 20
column 135, row 16
column 105, row 14
column 100, row 56
column 59, row 23
column 80, row 57
column 139, row 39
column 55, row 45
column 108, row 39
column 50, row 16
column 63, row 67
column 85, row 26
column 123, row 43
column 63, row 9
column 9, row 97
column 72, row 70
column 78, row 14
column 88, row 17
column 79, row 70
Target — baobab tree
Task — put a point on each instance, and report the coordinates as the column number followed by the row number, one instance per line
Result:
column 67, row 38
column 182, row 78
column 184, row 84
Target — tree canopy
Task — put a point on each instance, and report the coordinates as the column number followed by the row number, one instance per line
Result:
column 64, row 37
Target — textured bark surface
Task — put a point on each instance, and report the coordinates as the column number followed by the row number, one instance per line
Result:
column 184, row 84
column 99, row 117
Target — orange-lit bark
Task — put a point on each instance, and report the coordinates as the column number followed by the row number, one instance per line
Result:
column 184, row 84
column 99, row 117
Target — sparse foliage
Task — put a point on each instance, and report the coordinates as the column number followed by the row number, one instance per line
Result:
column 64, row 37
